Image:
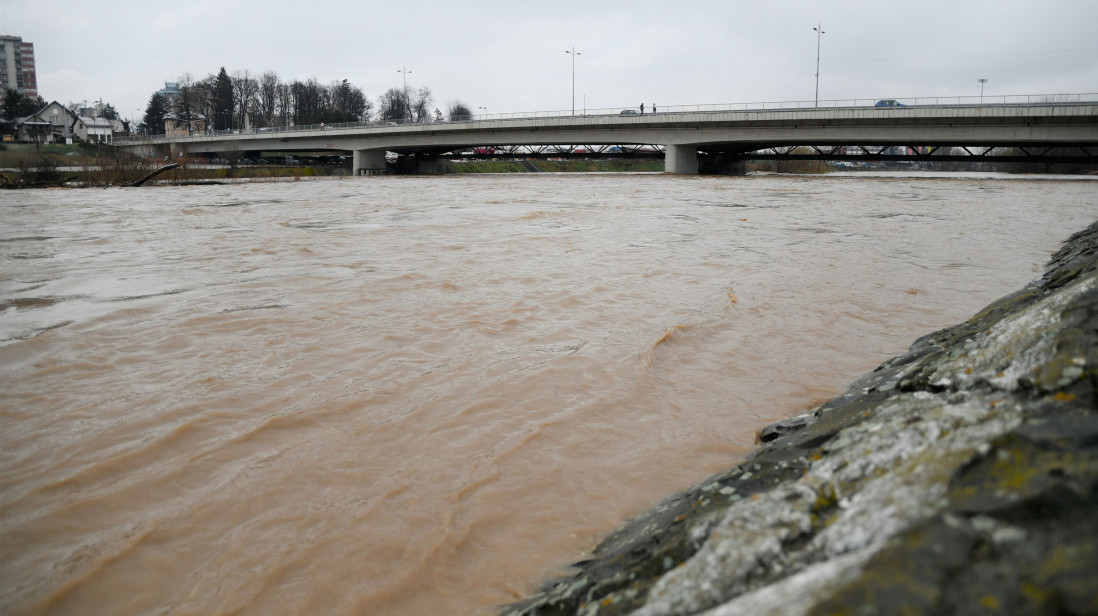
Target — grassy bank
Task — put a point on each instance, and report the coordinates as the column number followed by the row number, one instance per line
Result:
column 13, row 154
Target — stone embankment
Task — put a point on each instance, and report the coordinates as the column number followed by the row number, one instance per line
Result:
column 960, row 478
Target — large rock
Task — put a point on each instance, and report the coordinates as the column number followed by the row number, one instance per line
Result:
column 960, row 478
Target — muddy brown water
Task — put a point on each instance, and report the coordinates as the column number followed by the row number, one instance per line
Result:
column 424, row 395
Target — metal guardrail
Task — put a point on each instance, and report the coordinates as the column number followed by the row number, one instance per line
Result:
column 920, row 102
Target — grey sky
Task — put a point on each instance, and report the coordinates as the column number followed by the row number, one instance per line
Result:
column 508, row 56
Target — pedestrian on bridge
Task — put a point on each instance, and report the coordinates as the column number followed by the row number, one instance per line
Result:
column 653, row 107
column 642, row 108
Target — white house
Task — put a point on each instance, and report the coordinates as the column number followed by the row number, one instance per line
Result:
column 93, row 130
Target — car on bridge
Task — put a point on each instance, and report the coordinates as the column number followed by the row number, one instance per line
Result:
column 889, row 102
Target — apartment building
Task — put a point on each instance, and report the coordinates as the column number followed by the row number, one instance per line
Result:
column 17, row 65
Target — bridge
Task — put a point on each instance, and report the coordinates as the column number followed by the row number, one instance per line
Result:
column 1054, row 128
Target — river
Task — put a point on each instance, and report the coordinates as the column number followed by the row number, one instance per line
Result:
column 422, row 395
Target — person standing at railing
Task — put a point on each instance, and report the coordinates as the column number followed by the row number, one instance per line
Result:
column 653, row 107
column 642, row 108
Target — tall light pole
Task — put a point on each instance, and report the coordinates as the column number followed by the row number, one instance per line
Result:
column 819, row 33
column 133, row 121
column 573, row 53
column 484, row 111
column 982, row 82
column 407, row 99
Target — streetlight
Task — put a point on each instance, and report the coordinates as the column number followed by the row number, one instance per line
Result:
column 407, row 102
column 484, row 110
column 819, row 33
column 573, row 53
column 982, row 82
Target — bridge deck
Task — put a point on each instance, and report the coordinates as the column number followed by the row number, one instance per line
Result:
column 683, row 132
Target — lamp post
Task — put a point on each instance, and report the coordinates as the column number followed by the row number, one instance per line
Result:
column 982, row 82
column 407, row 102
column 819, row 33
column 484, row 111
column 133, row 121
column 573, row 53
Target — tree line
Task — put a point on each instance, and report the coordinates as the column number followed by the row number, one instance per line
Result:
column 15, row 104
column 244, row 100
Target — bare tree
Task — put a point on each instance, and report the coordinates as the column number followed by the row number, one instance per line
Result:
column 285, row 104
column 191, row 103
column 308, row 101
column 421, row 102
column 245, row 90
column 458, row 110
column 394, row 105
column 267, row 98
column 346, row 103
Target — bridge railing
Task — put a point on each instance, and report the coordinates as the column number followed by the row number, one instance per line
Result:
column 772, row 106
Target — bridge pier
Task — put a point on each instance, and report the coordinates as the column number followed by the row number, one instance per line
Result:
column 721, row 163
column 368, row 162
column 681, row 159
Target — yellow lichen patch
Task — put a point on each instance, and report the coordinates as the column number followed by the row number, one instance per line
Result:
column 990, row 602
column 1012, row 469
column 826, row 498
column 1063, row 397
column 1064, row 558
column 1036, row 593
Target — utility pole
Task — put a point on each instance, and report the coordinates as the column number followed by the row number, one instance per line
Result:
column 819, row 33
column 982, row 82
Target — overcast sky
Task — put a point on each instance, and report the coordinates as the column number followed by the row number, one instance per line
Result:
column 508, row 56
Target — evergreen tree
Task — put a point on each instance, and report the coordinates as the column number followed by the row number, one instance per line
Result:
column 223, row 101
column 16, row 105
column 154, row 115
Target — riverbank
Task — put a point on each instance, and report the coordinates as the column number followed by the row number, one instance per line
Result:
column 961, row 477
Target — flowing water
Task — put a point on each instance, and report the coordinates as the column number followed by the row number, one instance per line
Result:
column 423, row 395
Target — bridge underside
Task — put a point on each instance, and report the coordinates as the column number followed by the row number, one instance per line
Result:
column 1081, row 154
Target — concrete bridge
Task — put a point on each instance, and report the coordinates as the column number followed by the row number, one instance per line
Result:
column 1034, row 124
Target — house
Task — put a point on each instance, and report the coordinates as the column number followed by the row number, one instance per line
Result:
column 32, row 128
column 60, row 120
column 180, row 126
column 53, row 123
column 93, row 130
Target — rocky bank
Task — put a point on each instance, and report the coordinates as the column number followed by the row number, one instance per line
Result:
column 959, row 478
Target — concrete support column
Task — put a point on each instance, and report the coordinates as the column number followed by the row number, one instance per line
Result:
column 368, row 162
column 681, row 159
